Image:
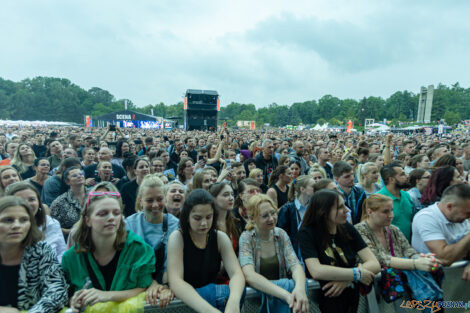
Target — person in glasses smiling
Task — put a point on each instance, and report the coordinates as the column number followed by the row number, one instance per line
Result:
column 118, row 263
column 67, row 207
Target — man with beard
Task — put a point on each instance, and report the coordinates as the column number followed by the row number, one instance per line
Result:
column 354, row 196
column 396, row 180
column 265, row 160
column 297, row 156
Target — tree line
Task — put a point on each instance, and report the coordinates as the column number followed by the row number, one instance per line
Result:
column 58, row 99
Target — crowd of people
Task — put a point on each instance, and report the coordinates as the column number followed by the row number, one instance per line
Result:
column 90, row 215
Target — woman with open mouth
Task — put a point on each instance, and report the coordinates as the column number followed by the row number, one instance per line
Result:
column 154, row 226
column 117, row 263
column 195, row 253
column 174, row 197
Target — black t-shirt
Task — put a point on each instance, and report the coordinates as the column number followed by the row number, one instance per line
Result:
column 39, row 150
column 129, row 195
column 310, row 243
column 9, row 285
column 109, row 270
column 201, row 266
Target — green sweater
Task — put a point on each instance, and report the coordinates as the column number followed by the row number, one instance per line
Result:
column 134, row 269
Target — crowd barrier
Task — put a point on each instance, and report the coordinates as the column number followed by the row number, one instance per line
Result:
column 455, row 289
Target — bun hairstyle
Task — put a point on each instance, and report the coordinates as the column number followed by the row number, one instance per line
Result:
column 299, row 182
column 274, row 177
column 253, row 208
column 149, row 181
column 374, row 202
column 363, row 169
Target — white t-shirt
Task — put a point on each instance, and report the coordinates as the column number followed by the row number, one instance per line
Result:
column 430, row 224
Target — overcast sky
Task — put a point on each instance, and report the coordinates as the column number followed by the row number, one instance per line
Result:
column 249, row 51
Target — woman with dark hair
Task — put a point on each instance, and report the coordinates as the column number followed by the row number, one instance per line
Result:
column 31, row 278
column 201, row 180
column 195, row 253
column 42, row 168
column 420, row 161
column 249, row 165
column 54, row 186
column 226, row 222
column 129, row 190
column 330, row 247
column 296, row 169
column 185, row 171
column 118, row 263
column 67, row 207
column 49, row 226
column 23, row 161
column 418, row 179
column 278, row 183
column 445, row 160
column 284, row 160
column 440, row 179
column 122, row 147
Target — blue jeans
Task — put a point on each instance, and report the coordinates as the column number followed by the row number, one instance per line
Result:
column 270, row 304
column 217, row 295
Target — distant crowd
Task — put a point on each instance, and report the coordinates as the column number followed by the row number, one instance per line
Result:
column 105, row 215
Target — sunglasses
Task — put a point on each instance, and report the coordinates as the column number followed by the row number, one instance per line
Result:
column 101, row 193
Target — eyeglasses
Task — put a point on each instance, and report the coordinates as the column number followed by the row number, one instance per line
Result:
column 101, row 193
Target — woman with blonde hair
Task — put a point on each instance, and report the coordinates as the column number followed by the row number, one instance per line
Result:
column 317, row 172
column 269, row 261
column 23, row 161
column 368, row 175
column 154, row 227
column 257, row 174
column 118, row 263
